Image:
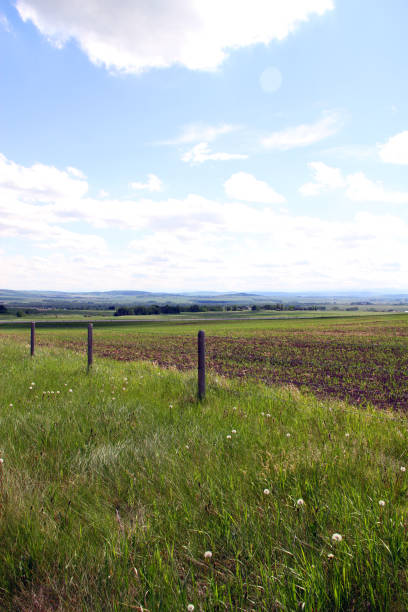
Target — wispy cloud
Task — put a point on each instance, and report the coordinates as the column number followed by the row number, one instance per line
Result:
column 202, row 153
column 200, row 132
column 305, row 134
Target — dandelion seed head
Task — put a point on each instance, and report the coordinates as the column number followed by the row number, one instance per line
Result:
column 229, row 437
column 234, row 431
column 288, row 435
column 330, row 556
column 268, row 415
column 402, row 468
column 300, row 502
column 347, row 435
column 69, row 390
column 208, row 554
column 10, row 405
column 1, row 460
column 190, row 608
column 266, row 491
column 381, row 503
column 337, row 537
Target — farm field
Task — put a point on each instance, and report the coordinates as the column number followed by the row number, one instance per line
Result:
column 362, row 359
column 115, row 484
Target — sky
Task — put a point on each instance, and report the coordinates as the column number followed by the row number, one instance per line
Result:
column 183, row 145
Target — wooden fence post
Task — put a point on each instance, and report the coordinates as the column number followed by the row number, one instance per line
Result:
column 32, row 349
column 201, row 365
column 90, row 345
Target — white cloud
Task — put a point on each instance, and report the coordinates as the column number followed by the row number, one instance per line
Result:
column 40, row 182
column 358, row 187
column 362, row 189
column 134, row 36
column 244, row 186
column 202, row 153
column 325, row 177
column 305, row 134
column 194, row 242
column 395, row 150
column 153, row 184
column 201, row 132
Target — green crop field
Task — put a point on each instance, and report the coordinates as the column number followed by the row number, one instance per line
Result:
column 114, row 484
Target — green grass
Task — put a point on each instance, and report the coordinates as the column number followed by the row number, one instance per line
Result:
column 110, row 494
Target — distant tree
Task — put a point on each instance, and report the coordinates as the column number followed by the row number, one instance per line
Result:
column 19, row 313
column 3, row 309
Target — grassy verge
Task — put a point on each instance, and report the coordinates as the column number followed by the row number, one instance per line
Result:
column 114, row 485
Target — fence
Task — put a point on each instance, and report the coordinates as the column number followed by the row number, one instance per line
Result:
column 200, row 354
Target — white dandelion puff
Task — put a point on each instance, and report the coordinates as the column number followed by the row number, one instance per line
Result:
column 208, row 554
column 402, row 468
column 266, row 491
column 300, row 502
column 337, row 537
column 381, row 503
column 190, row 608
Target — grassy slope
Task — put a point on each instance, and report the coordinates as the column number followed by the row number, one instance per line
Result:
column 111, row 493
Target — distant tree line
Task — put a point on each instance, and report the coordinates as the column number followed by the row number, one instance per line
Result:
column 281, row 306
column 156, row 309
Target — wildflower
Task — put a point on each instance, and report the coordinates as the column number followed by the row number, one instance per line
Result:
column 207, row 554
column 125, row 379
column 170, row 406
column 228, row 437
column 113, row 398
column 69, row 390
column 288, row 435
column 52, row 392
column 58, row 391
column 65, row 384
column 190, row 608
column 123, row 388
column 33, row 383
column 187, row 447
column 234, row 431
column 30, row 387
column 234, row 407
column 402, row 468
column 11, row 405
column 1, row 460
column 381, row 503
column 262, row 414
column 330, row 556
column 266, row 491
column 300, row 502
column 268, row 415
column 336, row 537
column 347, row 435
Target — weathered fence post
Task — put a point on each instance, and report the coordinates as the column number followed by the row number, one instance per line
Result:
column 32, row 349
column 90, row 345
column 201, row 365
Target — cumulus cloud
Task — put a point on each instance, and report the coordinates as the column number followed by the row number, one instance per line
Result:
column 305, row 134
column 178, row 243
column 395, row 150
column 134, row 36
column 153, row 184
column 201, row 153
column 244, row 186
column 358, row 187
column 325, row 178
column 40, row 182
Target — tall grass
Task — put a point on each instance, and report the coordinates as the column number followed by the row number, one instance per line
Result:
column 114, row 484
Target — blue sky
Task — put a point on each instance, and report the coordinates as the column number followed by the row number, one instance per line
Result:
column 194, row 144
